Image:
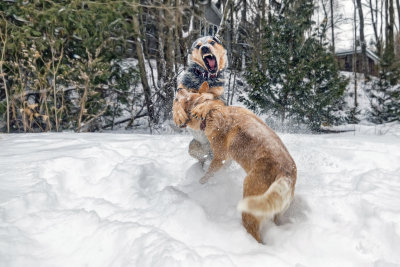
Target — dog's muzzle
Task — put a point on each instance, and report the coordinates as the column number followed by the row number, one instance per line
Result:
column 205, row 50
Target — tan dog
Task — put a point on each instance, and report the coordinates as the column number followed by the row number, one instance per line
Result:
column 236, row 133
column 206, row 64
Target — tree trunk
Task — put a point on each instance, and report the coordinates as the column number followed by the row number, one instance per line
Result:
column 160, row 49
column 244, row 11
column 386, row 23
column 141, row 63
column 54, row 70
column 233, row 89
column 364, row 66
column 355, row 57
column 4, row 40
column 232, row 36
column 374, row 21
column 83, row 102
column 398, row 13
column 390, row 28
column 381, row 28
column 263, row 7
column 178, row 35
column 170, row 84
column 333, row 28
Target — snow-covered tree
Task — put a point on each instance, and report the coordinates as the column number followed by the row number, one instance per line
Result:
column 385, row 101
column 385, row 93
column 297, row 77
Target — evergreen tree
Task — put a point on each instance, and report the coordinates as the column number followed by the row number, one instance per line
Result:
column 385, row 93
column 297, row 77
column 62, row 63
column 385, row 99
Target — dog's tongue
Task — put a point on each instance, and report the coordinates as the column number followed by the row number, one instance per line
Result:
column 211, row 62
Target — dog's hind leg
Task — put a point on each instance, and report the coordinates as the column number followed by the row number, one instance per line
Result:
column 252, row 225
column 200, row 147
column 200, row 151
column 253, row 185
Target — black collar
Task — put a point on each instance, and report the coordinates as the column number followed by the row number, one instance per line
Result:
column 200, row 72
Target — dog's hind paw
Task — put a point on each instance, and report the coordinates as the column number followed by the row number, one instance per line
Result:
column 204, row 179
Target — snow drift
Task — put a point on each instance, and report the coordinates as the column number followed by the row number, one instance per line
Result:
column 135, row 200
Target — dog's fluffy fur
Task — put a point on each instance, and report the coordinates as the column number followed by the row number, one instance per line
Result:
column 206, row 64
column 238, row 134
column 204, row 51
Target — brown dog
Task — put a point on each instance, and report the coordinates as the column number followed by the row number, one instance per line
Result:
column 206, row 64
column 237, row 133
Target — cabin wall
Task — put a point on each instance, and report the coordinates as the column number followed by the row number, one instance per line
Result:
column 345, row 63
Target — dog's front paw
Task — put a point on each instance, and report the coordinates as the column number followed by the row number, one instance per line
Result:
column 181, row 120
column 179, row 114
column 200, row 111
column 204, row 97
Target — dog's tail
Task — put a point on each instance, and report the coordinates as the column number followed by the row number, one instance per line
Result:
column 275, row 200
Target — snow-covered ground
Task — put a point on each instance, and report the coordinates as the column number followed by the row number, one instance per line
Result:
column 134, row 200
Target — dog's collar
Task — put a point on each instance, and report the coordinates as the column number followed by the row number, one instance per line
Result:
column 204, row 74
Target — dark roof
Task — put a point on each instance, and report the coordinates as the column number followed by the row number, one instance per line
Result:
column 370, row 54
column 212, row 14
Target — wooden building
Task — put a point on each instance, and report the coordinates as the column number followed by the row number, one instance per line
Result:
column 211, row 21
column 346, row 60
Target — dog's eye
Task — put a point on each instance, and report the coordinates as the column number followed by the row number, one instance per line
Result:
column 212, row 43
column 198, row 46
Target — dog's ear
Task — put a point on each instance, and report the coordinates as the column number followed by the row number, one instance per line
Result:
column 204, row 87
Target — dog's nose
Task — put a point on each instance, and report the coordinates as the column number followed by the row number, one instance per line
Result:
column 205, row 49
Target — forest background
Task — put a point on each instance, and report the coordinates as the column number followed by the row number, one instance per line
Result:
column 107, row 65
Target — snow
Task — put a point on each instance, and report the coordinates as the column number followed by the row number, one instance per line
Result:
column 392, row 128
column 134, row 200
column 363, row 92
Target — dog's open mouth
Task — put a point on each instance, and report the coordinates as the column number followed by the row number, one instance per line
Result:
column 211, row 62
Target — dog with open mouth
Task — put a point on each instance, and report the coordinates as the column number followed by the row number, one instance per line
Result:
column 207, row 62
column 238, row 134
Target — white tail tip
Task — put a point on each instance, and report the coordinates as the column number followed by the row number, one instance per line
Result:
column 243, row 205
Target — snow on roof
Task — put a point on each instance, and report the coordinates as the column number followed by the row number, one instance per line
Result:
column 213, row 15
column 370, row 54
column 216, row 10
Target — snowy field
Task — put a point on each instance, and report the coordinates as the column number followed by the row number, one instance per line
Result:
column 134, row 200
